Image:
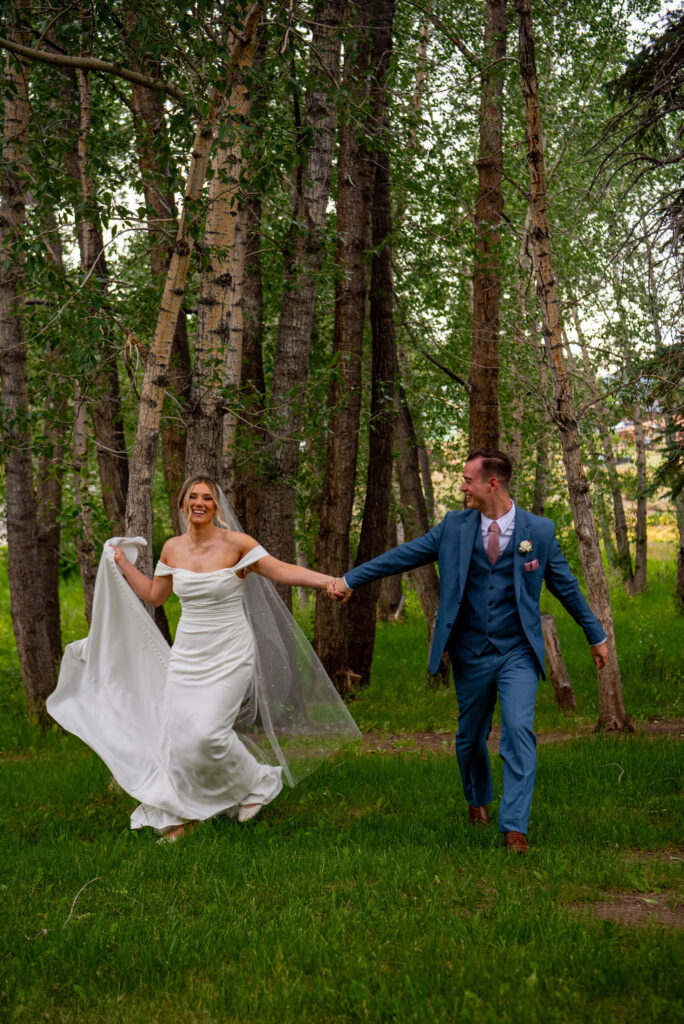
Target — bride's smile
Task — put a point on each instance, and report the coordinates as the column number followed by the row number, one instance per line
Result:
column 201, row 506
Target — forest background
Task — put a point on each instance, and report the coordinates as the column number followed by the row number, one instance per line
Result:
column 320, row 250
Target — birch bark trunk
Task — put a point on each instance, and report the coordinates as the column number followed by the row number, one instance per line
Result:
column 303, row 257
column 84, row 535
column 216, row 367
column 151, row 139
column 484, row 371
column 36, row 656
column 612, row 713
column 624, row 556
column 247, row 493
column 641, row 551
column 155, row 380
column 543, row 445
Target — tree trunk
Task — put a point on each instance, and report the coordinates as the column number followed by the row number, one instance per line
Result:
column 416, row 522
column 51, row 466
column 84, row 536
column 391, row 599
column 247, row 489
column 373, row 539
column 515, row 447
column 36, row 655
column 332, row 553
column 612, row 713
column 154, row 162
column 640, row 555
column 220, row 297
column 484, row 372
column 303, row 258
column 110, row 444
column 605, row 523
column 49, row 507
column 426, row 477
column 679, row 587
column 624, row 555
column 155, row 380
column 234, row 353
column 560, row 680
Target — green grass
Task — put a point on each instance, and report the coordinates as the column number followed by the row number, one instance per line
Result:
column 360, row 895
column 650, row 641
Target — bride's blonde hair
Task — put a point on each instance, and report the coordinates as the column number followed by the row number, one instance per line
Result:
column 215, row 493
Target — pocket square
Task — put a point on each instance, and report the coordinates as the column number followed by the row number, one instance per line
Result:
column 531, row 566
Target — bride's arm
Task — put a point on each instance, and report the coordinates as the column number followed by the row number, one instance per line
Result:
column 290, row 575
column 154, row 591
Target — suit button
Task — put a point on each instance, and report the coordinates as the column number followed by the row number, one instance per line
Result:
column 449, row 625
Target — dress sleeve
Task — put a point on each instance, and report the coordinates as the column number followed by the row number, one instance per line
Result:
column 251, row 557
column 163, row 570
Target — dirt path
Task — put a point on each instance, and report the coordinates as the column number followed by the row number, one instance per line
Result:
column 436, row 742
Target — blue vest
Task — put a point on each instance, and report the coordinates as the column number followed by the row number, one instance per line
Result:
column 489, row 614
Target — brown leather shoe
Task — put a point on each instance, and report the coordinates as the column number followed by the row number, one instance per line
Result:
column 515, row 842
column 478, row 815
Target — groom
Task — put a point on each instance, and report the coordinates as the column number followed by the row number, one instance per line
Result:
column 493, row 558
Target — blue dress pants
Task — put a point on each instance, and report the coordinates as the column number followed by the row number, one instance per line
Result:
column 479, row 678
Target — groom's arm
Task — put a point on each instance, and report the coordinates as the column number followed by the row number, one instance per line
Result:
column 407, row 556
column 564, row 586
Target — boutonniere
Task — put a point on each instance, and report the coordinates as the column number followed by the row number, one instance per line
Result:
column 525, row 547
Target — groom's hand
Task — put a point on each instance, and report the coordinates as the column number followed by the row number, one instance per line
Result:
column 339, row 591
column 599, row 653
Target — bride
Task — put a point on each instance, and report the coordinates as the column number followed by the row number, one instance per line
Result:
column 164, row 721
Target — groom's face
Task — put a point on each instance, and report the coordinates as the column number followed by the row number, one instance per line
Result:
column 476, row 487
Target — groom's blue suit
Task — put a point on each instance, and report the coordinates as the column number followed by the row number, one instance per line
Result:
column 489, row 619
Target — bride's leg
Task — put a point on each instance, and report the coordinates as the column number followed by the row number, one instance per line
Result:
column 179, row 831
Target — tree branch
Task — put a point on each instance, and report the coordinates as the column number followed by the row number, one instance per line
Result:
column 424, row 352
column 93, row 64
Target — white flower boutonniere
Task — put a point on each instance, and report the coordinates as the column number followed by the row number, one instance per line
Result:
column 525, row 547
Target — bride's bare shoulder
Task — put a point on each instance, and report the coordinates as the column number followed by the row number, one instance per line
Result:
column 242, row 541
column 173, row 547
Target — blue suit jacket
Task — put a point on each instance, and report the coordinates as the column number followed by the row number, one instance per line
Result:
column 451, row 544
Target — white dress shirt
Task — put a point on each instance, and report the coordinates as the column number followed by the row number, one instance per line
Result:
column 506, row 526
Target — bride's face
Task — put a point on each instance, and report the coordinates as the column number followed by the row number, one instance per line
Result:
column 200, row 506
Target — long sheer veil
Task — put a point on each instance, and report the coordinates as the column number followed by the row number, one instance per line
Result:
column 293, row 714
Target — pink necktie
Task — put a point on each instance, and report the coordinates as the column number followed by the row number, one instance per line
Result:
column 493, row 542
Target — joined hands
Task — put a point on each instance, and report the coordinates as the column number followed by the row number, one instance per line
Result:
column 338, row 590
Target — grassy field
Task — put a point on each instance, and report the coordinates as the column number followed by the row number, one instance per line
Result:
column 362, row 894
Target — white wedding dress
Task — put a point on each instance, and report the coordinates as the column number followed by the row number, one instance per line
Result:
column 162, row 719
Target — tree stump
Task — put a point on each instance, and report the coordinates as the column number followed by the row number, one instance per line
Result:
column 391, row 602
column 562, row 687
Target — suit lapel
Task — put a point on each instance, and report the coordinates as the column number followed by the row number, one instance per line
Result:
column 521, row 532
column 467, row 540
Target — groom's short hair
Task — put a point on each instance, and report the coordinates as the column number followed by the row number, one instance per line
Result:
column 494, row 463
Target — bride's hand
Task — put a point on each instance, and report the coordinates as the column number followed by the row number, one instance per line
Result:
column 338, row 590
column 119, row 556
